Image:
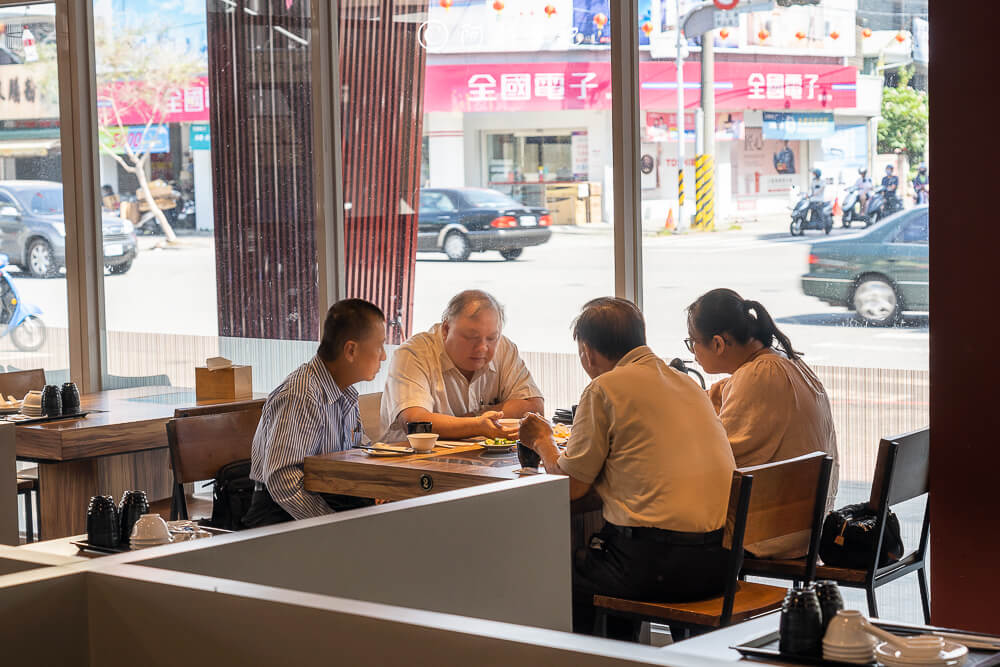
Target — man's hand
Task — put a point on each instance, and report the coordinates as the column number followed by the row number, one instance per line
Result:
column 487, row 422
column 535, row 429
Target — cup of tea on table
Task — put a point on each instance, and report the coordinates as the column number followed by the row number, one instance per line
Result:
column 422, row 442
column 527, row 457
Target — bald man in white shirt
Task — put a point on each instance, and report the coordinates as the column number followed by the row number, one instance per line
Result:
column 462, row 375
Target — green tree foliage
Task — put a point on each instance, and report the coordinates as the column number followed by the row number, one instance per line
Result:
column 904, row 120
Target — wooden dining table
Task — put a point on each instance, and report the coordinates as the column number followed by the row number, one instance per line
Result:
column 121, row 445
column 355, row 473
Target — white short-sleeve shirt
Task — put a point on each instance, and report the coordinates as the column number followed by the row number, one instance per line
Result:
column 422, row 375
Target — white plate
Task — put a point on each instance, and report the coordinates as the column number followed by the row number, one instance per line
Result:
column 497, row 448
column 114, row 250
column 528, row 221
column 952, row 655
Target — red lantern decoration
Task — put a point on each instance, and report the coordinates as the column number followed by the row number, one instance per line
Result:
column 550, row 10
column 600, row 20
column 724, row 33
column 799, row 35
column 446, row 4
column 866, row 33
column 498, row 6
column 763, row 34
column 647, row 28
column 834, row 35
column 900, row 37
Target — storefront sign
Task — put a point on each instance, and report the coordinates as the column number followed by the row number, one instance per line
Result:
column 579, row 148
column 182, row 105
column 662, row 126
column 587, row 85
column 200, row 137
column 798, row 125
column 155, row 139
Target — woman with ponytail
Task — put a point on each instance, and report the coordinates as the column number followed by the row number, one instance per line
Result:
column 772, row 404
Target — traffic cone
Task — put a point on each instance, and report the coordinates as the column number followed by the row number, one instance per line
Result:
column 669, row 225
column 837, row 211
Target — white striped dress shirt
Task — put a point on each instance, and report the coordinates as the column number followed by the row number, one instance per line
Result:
column 305, row 415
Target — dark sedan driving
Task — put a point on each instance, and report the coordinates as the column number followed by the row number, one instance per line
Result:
column 460, row 221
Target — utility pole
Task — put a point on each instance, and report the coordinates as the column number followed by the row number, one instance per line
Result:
column 680, row 120
column 705, row 160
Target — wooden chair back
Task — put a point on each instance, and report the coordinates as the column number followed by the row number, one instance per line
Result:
column 19, row 383
column 370, row 406
column 901, row 469
column 200, row 445
column 218, row 408
column 774, row 500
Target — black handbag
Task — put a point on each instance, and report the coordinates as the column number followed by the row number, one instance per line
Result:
column 232, row 495
column 849, row 538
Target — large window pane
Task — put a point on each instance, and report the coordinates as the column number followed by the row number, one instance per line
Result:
column 795, row 89
column 206, row 151
column 33, row 319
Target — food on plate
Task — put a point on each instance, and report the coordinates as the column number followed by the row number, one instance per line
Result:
column 499, row 442
column 560, row 431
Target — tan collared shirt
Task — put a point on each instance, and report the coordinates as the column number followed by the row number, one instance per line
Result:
column 422, row 375
column 647, row 438
column 776, row 409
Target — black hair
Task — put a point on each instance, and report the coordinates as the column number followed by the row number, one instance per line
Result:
column 723, row 311
column 612, row 326
column 349, row 319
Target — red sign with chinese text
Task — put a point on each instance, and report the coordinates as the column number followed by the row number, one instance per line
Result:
column 187, row 105
column 582, row 85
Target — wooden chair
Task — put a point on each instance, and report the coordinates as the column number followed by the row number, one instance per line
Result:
column 370, row 406
column 17, row 384
column 200, row 445
column 901, row 472
column 765, row 502
column 198, row 410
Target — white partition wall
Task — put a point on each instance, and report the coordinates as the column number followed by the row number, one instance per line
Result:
column 499, row 551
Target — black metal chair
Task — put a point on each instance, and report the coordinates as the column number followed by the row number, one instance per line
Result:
column 901, row 474
column 25, row 487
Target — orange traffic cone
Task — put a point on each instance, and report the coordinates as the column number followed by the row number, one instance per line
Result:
column 669, row 225
column 837, row 211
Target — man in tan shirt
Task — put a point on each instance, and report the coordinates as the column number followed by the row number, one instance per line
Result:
column 462, row 375
column 647, row 441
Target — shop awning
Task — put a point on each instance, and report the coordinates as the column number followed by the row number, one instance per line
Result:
column 27, row 147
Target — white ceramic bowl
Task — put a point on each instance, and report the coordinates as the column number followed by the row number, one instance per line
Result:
column 846, row 631
column 33, row 399
column 422, row 442
column 509, row 423
column 150, row 527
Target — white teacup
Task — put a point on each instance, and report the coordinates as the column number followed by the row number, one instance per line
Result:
column 151, row 527
column 33, row 399
column 847, row 631
column 422, row 442
column 509, row 424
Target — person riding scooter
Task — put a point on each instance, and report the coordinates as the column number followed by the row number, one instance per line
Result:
column 817, row 190
column 921, row 185
column 891, row 184
column 865, row 187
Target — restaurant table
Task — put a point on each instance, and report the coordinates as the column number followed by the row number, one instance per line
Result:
column 355, row 473
column 121, row 447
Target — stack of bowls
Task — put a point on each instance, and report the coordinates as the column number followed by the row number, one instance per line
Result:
column 150, row 531
column 847, row 640
column 32, row 404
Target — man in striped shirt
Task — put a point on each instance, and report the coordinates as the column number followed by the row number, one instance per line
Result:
column 315, row 411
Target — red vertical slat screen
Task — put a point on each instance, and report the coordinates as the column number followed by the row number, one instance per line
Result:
column 261, row 106
column 382, row 74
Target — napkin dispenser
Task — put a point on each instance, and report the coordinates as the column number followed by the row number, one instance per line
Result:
column 219, row 379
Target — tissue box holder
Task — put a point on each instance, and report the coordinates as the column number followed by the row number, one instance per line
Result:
column 234, row 383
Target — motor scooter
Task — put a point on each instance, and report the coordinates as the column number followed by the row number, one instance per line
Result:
column 803, row 219
column 877, row 207
column 19, row 319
